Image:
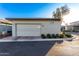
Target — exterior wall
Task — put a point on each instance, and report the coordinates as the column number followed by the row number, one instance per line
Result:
column 51, row 27
column 47, row 27
column 68, row 28
column 13, row 30
column 72, row 28
column 75, row 28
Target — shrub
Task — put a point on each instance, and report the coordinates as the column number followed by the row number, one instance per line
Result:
column 61, row 36
column 53, row 36
column 49, row 36
column 43, row 36
column 57, row 35
column 68, row 35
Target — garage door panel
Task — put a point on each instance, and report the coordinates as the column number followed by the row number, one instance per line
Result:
column 28, row 30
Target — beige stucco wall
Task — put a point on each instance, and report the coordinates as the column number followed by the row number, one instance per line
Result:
column 52, row 27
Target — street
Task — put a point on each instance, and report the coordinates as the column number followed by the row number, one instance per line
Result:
column 40, row 48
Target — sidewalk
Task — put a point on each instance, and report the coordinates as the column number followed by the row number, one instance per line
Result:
column 65, row 49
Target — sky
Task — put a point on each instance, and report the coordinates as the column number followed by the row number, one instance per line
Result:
column 27, row 10
column 37, row 10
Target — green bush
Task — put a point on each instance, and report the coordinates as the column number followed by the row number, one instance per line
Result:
column 61, row 36
column 43, row 36
column 57, row 35
column 68, row 35
column 49, row 36
column 53, row 36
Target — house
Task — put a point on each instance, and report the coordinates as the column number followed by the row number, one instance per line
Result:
column 5, row 27
column 34, row 26
column 74, row 26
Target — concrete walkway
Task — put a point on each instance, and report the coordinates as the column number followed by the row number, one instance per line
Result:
column 67, row 48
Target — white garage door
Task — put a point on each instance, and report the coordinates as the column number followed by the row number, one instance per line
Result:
column 28, row 30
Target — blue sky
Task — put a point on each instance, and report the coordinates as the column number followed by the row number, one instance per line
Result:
column 27, row 10
column 36, row 10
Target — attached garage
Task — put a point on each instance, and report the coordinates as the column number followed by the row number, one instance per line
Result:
column 28, row 30
column 34, row 26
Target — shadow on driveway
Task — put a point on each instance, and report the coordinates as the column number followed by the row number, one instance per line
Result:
column 34, row 48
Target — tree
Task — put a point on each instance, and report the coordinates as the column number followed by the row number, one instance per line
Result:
column 64, row 10
column 60, row 12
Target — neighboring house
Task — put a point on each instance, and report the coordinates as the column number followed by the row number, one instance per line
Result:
column 74, row 26
column 5, row 28
column 34, row 26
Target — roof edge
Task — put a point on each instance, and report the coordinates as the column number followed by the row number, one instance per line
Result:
column 14, row 19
